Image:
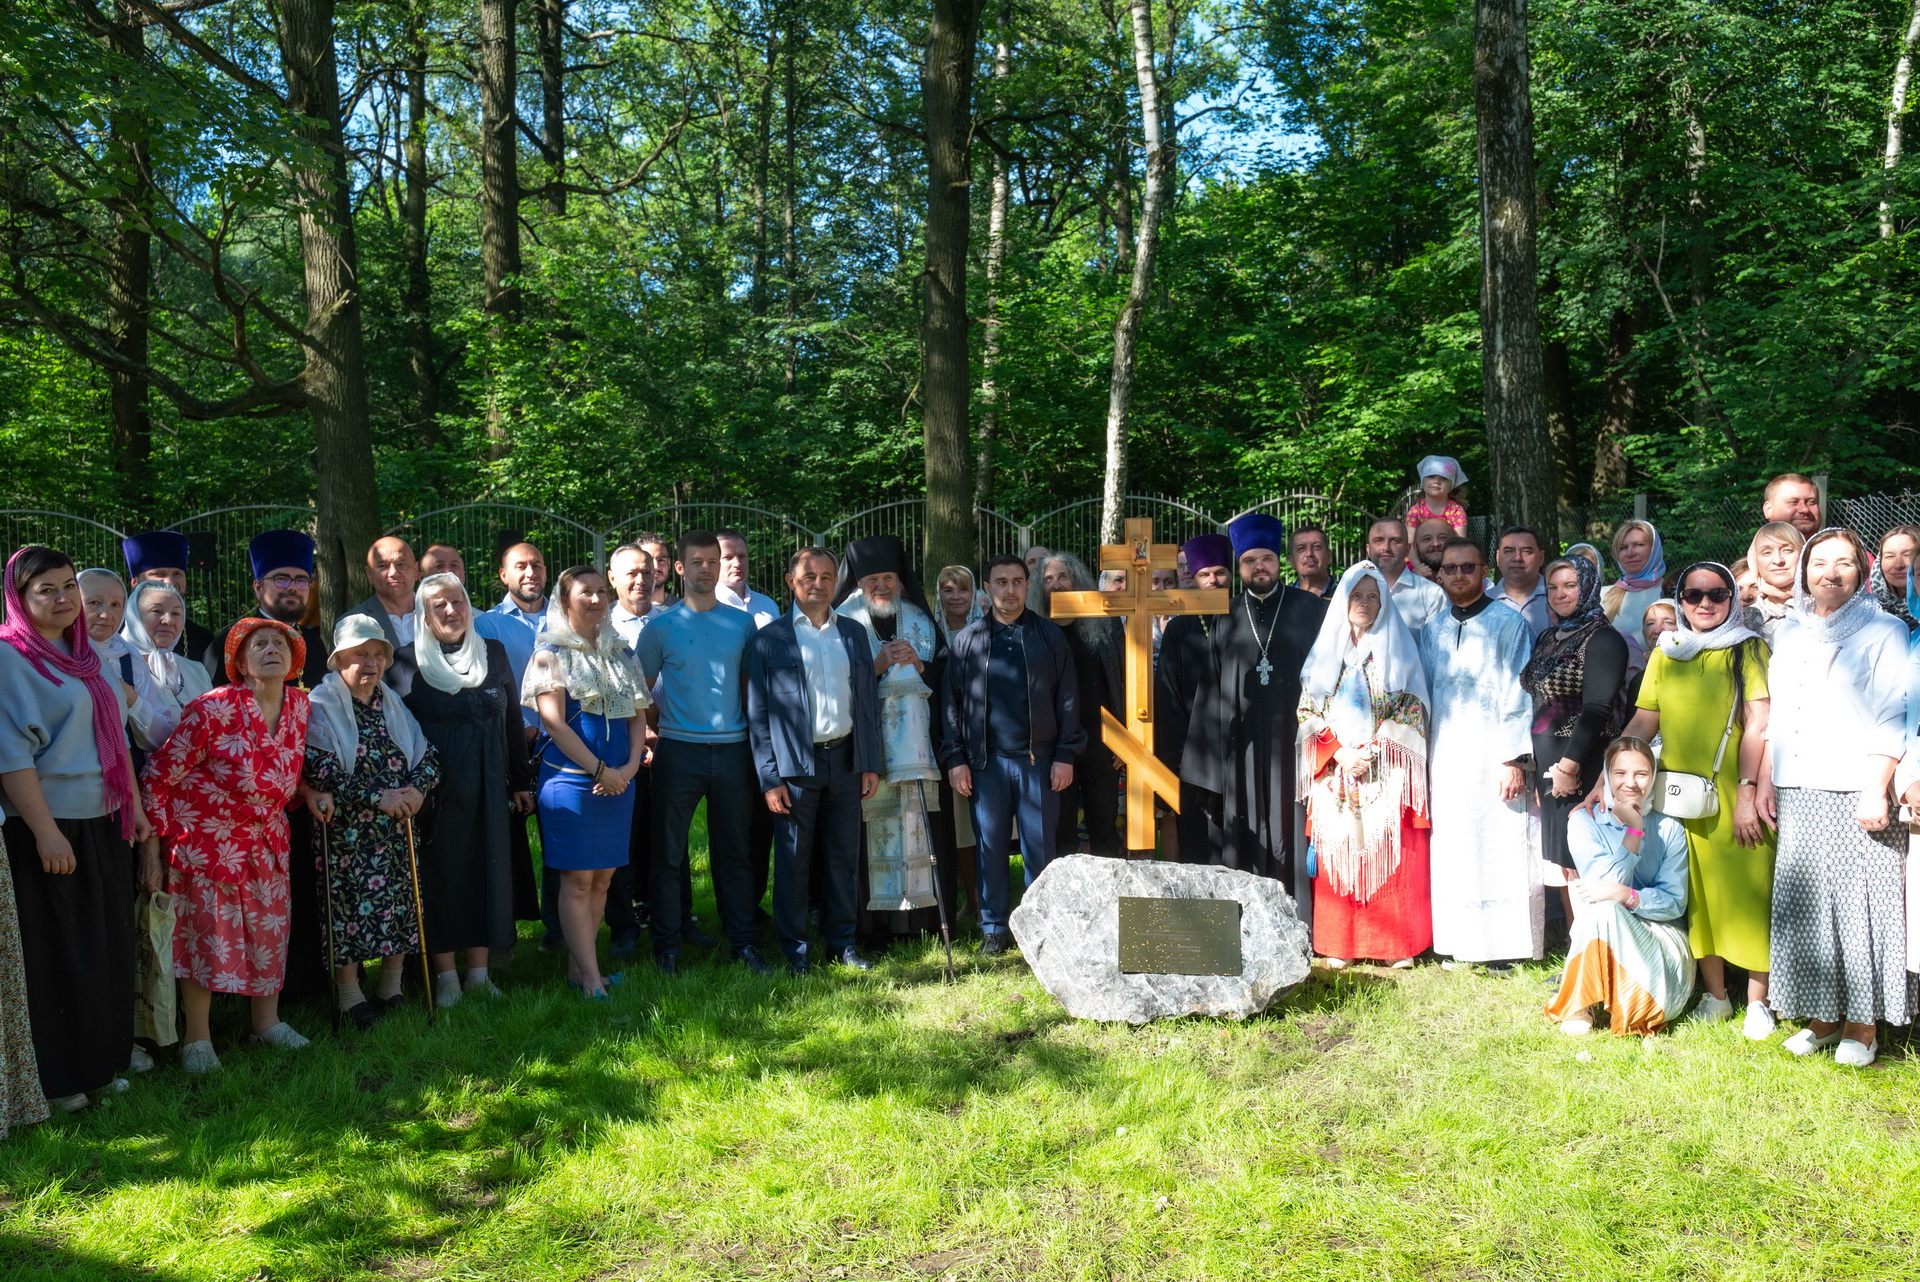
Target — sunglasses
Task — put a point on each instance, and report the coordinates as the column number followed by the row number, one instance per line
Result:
column 1460, row 569
column 1694, row 596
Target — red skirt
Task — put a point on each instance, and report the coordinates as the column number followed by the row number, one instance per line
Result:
column 231, row 937
column 1397, row 922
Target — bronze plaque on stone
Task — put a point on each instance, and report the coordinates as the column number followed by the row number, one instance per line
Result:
column 1179, row 936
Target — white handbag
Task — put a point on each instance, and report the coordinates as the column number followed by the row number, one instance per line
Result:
column 1680, row 795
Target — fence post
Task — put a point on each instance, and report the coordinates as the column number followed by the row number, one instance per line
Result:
column 1640, row 506
column 599, row 551
column 1820, row 484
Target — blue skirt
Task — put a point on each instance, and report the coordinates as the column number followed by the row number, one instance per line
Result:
column 579, row 830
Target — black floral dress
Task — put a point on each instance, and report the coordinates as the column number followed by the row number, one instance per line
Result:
column 372, row 892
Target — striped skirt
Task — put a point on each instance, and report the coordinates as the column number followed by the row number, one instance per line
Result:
column 1641, row 971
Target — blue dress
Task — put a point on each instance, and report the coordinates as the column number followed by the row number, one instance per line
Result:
column 579, row 830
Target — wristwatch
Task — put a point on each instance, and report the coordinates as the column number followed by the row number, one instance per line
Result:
column 1749, row 783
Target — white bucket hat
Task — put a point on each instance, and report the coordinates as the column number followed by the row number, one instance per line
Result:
column 357, row 629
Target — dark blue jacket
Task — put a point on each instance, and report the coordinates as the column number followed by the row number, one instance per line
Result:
column 780, row 713
column 1053, row 695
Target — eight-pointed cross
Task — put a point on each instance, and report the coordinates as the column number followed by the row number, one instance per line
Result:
column 1138, row 603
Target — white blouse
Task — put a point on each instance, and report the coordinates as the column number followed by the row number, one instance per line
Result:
column 1836, row 705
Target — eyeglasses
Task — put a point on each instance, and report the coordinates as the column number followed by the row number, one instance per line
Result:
column 1460, row 569
column 287, row 582
column 1694, row 596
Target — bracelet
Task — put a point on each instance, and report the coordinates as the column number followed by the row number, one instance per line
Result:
column 1636, row 832
column 599, row 768
column 1633, row 898
column 1749, row 783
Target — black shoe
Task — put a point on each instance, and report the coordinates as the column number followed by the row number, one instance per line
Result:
column 553, row 943
column 748, row 955
column 364, row 1015
column 667, row 963
column 394, row 1002
column 994, row 945
column 850, row 958
column 624, row 946
column 799, row 968
column 1500, row 969
column 690, row 933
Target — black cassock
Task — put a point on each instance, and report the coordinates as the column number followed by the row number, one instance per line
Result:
column 1183, row 664
column 1240, row 738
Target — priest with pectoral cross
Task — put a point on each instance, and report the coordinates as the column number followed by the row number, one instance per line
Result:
column 1240, row 740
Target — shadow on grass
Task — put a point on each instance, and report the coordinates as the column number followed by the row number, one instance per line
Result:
column 26, row 1259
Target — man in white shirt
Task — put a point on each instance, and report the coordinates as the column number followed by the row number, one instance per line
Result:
column 1520, row 557
column 733, row 589
column 394, row 573
column 630, row 572
column 1416, row 599
column 814, row 723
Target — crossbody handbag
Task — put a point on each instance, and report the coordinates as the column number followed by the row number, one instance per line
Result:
column 1683, row 796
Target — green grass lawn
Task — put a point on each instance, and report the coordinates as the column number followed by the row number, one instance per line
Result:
column 1373, row 1125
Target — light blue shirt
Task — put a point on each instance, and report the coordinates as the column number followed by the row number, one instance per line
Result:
column 515, row 629
column 696, row 661
column 1598, row 844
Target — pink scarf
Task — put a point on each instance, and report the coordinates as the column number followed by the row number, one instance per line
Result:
column 18, row 631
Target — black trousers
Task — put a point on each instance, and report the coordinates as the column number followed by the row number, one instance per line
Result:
column 1096, row 791
column 821, row 833
column 759, row 848
column 1201, row 836
column 722, row 775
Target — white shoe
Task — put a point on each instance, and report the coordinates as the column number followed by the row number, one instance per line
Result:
column 1455, row 965
column 69, row 1103
column 198, row 1057
column 1576, row 1026
column 140, row 1061
column 1337, row 963
column 446, row 991
column 283, row 1036
column 1804, row 1043
column 118, row 1086
column 1760, row 1022
column 1405, row 963
column 1854, row 1054
column 1710, row 1009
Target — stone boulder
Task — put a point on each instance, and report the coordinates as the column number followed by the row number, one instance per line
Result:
column 1068, row 928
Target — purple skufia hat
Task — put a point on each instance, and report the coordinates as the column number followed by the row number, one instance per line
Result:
column 1204, row 550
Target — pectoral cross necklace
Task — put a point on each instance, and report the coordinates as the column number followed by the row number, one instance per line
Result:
column 1265, row 666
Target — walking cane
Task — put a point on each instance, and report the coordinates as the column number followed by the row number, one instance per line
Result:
column 326, row 873
column 939, row 898
column 420, row 922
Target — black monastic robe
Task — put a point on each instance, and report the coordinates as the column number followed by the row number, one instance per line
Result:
column 1240, row 737
column 1184, row 662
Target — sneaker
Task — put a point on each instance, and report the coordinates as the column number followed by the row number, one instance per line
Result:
column 1405, row 963
column 1855, row 1054
column 1337, row 963
column 198, row 1057
column 1710, row 1009
column 1450, row 964
column 68, row 1103
column 140, row 1061
column 996, row 944
column 1804, row 1043
column 281, row 1035
column 118, row 1086
column 1760, row 1022
column 1576, row 1025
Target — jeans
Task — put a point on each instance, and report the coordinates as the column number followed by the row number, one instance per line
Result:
column 1010, row 786
column 685, row 773
column 822, row 831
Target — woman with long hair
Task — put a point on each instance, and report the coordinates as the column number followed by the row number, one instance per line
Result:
column 1643, row 566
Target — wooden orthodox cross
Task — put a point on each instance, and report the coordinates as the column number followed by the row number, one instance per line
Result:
column 1138, row 603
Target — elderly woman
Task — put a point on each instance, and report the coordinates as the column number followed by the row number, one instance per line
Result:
column 1363, row 777
column 1705, row 694
column 71, row 806
column 220, row 786
column 1628, row 953
column 1574, row 676
column 1098, row 662
column 370, row 769
column 589, row 692
column 463, row 693
column 103, row 604
column 156, row 616
column 1838, row 729
column 1774, row 556
column 1893, row 574
column 1636, row 550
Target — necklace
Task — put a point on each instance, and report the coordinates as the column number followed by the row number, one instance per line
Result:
column 1265, row 666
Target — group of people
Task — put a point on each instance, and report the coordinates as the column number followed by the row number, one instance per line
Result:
column 1700, row 767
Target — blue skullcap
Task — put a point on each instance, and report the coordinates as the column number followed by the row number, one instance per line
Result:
column 280, row 550
column 1257, row 530
column 154, row 550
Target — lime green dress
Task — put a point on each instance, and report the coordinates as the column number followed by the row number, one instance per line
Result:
column 1729, row 886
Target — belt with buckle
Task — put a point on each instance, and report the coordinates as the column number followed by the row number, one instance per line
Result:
column 833, row 743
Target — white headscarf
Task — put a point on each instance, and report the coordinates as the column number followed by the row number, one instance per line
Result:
column 1842, row 623
column 1685, row 643
column 1396, row 658
column 162, row 665
column 464, row 667
column 331, row 726
column 600, row 675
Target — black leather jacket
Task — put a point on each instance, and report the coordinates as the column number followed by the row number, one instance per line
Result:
column 1053, row 695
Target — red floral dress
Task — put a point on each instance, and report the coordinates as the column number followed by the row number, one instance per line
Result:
column 218, row 791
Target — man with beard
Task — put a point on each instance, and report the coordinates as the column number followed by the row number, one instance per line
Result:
column 1185, row 663
column 1240, row 741
column 282, row 584
column 163, row 555
column 1488, row 901
column 1415, row 599
column 879, row 590
column 1428, row 538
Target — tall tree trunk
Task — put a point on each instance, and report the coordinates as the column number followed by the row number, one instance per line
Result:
column 129, row 280
column 789, row 269
column 1620, row 394
column 946, row 91
column 417, row 288
column 1699, row 245
column 996, row 266
column 549, row 24
column 1896, row 111
column 1557, row 379
column 762, row 162
column 1123, row 229
column 499, row 195
column 1513, row 384
column 348, row 515
column 1126, row 327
